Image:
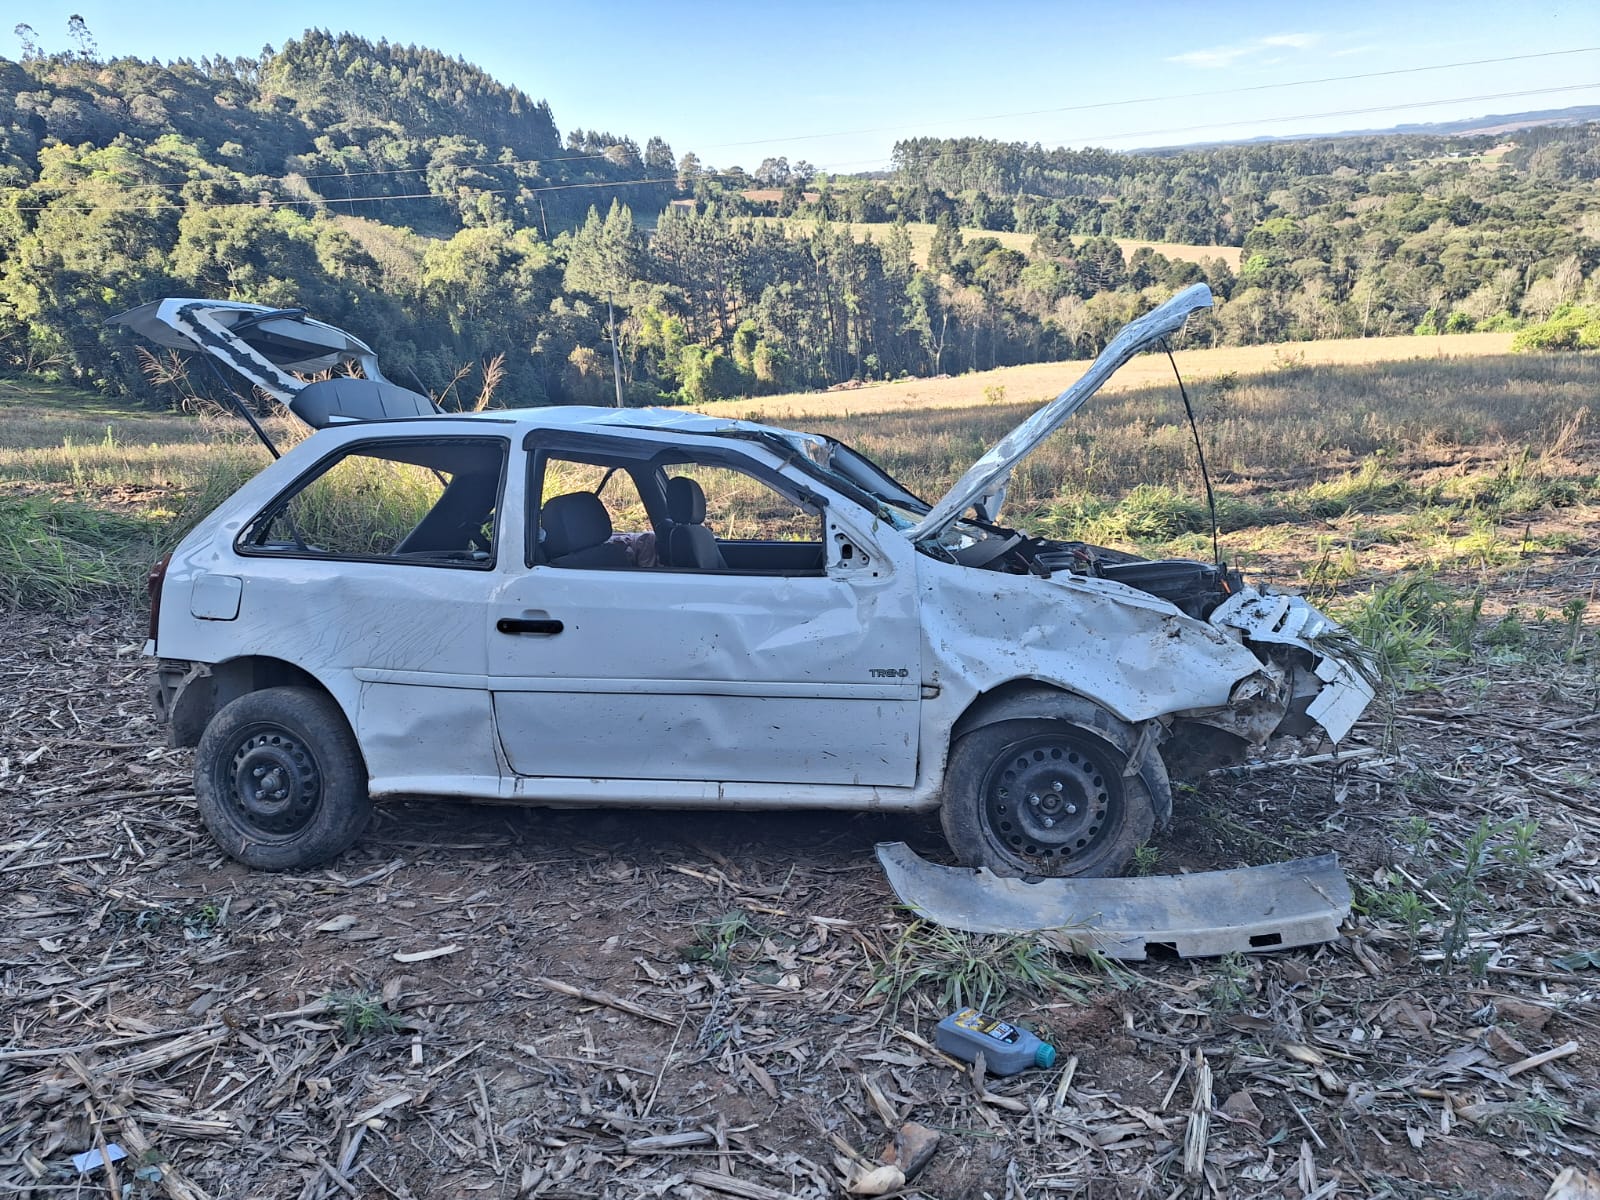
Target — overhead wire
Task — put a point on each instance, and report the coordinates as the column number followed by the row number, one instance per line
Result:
column 1235, row 91
column 338, row 201
column 1086, row 107
column 482, row 166
column 1089, row 139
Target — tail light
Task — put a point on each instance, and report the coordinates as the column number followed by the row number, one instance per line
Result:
column 152, row 588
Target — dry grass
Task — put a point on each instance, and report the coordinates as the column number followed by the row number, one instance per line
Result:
column 635, row 1004
column 921, row 233
column 1435, row 461
column 1261, row 432
column 88, row 446
column 1036, row 382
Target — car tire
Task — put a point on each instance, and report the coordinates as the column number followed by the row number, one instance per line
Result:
column 1045, row 798
column 280, row 781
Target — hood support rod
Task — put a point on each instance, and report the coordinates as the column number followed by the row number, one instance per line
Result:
column 1205, row 475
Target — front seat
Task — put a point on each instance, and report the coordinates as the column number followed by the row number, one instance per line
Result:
column 576, row 532
column 690, row 544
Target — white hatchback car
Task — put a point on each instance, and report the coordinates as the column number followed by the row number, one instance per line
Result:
column 582, row 606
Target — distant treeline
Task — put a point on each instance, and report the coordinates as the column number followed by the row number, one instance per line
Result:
column 441, row 215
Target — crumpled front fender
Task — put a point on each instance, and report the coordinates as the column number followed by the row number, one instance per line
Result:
column 1132, row 654
column 1276, row 620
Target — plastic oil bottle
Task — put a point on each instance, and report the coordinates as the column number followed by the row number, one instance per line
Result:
column 1006, row 1049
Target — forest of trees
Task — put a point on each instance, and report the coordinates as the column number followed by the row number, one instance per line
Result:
column 440, row 215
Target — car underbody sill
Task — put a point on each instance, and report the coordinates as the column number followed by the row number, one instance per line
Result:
column 551, row 792
column 1248, row 909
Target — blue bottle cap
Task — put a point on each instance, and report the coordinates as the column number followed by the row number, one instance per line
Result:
column 1044, row 1056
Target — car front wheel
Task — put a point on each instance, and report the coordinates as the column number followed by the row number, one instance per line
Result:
column 1044, row 798
column 280, row 781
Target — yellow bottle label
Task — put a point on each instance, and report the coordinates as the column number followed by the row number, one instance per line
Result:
column 974, row 1021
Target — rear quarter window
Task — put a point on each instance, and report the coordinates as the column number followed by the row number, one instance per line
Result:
column 426, row 501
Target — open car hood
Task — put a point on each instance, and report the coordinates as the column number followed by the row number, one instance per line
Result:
column 987, row 477
column 268, row 346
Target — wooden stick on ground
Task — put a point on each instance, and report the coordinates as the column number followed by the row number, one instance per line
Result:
column 1198, row 1132
column 606, row 999
column 1538, row 1060
column 135, row 1142
column 733, row 1186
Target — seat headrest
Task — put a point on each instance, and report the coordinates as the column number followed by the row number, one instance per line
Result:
column 573, row 522
column 686, row 503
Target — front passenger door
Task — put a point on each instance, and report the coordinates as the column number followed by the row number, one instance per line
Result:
column 786, row 675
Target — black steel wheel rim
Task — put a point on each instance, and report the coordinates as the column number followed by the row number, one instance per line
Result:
column 272, row 783
column 1051, row 799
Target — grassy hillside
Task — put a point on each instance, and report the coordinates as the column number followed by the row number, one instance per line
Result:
column 1468, row 459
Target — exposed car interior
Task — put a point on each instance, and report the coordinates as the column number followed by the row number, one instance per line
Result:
column 577, row 533
column 608, row 512
column 689, row 542
column 416, row 500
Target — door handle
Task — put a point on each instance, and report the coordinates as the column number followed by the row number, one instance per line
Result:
column 547, row 626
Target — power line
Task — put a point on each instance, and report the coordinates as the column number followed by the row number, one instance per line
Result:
column 1237, row 91
column 1093, row 106
column 515, row 162
column 519, row 162
column 1341, row 112
column 1355, row 112
column 1175, row 130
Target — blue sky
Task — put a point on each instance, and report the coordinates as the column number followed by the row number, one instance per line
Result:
column 837, row 83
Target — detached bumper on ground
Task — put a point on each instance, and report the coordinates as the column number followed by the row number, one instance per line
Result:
column 1249, row 909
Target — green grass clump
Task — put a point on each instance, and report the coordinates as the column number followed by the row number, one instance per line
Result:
column 1409, row 625
column 1371, row 488
column 716, row 943
column 361, row 1015
column 979, row 970
column 55, row 554
column 1156, row 513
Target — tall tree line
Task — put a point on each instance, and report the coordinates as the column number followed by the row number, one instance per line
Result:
column 443, row 217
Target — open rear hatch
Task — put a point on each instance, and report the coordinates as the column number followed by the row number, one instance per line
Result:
column 274, row 348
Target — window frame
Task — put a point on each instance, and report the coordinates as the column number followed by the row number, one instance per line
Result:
column 279, row 502
column 637, row 454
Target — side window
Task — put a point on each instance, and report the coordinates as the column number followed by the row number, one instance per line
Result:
column 724, row 520
column 591, row 515
column 615, row 487
column 742, row 508
column 417, row 500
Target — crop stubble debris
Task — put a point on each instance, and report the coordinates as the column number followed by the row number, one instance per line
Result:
column 551, row 1024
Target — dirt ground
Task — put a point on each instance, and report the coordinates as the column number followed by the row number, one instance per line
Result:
column 529, row 1003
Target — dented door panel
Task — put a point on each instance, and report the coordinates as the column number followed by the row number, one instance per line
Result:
column 693, row 676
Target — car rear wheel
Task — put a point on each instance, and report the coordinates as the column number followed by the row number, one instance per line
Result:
column 280, row 781
column 1044, row 798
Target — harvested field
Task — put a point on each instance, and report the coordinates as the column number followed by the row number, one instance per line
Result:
column 1037, row 382
column 630, row 1004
